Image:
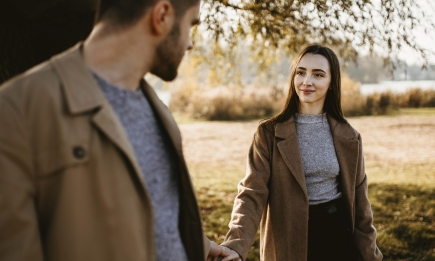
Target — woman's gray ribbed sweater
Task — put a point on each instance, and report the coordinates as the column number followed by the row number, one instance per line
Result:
column 318, row 157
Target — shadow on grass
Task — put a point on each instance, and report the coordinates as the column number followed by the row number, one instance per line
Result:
column 404, row 217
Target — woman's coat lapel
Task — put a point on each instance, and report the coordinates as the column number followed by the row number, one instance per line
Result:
column 289, row 150
column 346, row 145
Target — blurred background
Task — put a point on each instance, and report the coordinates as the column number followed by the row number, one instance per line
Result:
column 238, row 73
column 244, row 49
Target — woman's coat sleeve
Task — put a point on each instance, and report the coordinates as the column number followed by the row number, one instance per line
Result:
column 252, row 195
column 364, row 232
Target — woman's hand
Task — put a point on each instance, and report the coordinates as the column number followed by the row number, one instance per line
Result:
column 218, row 253
column 233, row 256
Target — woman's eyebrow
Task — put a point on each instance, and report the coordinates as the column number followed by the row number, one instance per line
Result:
column 318, row 70
column 314, row 70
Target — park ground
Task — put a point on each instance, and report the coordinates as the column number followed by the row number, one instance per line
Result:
column 399, row 152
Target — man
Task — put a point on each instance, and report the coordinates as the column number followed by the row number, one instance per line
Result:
column 91, row 162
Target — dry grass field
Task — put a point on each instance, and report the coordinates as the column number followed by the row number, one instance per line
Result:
column 400, row 163
column 398, row 149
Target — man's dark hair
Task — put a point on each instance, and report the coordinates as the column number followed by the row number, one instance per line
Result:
column 127, row 12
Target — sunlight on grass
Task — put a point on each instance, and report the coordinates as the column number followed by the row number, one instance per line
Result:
column 416, row 174
column 216, row 188
column 417, row 111
column 182, row 118
column 219, row 177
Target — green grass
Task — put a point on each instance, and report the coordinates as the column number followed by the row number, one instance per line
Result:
column 404, row 211
column 405, row 219
column 182, row 118
column 422, row 174
column 216, row 187
column 402, row 111
column 417, row 111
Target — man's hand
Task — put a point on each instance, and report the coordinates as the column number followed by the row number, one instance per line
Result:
column 218, row 252
column 233, row 255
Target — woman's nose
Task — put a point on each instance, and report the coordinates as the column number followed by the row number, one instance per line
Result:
column 307, row 80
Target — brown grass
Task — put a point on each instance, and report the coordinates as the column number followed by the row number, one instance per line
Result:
column 224, row 103
column 243, row 103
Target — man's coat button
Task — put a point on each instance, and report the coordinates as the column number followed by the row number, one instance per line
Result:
column 79, row 152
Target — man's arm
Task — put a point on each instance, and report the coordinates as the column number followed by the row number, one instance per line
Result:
column 19, row 236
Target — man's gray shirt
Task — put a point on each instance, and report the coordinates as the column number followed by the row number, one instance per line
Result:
column 157, row 162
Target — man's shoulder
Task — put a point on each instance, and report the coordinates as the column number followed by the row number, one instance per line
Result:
column 41, row 79
column 35, row 81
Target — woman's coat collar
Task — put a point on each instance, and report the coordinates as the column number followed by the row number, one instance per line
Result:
column 287, row 129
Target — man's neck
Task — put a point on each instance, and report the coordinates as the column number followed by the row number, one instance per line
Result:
column 119, row 57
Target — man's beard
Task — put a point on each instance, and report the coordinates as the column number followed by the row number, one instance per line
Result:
column 168, row 56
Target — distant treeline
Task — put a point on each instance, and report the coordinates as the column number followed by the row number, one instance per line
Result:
column 371, row 70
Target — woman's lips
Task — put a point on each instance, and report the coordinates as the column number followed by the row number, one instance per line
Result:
column 307, row 91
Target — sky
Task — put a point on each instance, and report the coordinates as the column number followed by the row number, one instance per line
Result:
column 427, row 41
column 423, row 39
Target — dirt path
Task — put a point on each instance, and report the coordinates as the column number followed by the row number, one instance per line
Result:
column 217, row 142
column 387, row 140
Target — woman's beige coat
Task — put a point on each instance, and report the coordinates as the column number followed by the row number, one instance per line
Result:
column 274, row 195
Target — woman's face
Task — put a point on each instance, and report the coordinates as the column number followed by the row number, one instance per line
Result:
column 312, row 80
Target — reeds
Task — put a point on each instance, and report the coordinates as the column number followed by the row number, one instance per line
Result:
column 256, row 102
column 226, row 103
column 384, row 102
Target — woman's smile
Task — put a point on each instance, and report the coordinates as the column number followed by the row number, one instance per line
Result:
column 307, row 91
column 312, row 81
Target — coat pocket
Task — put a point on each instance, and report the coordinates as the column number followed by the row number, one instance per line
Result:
column 52, row 161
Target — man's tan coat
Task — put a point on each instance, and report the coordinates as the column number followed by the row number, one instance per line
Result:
column 274, row 193
column 70, row 185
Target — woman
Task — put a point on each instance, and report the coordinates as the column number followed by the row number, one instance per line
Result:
column 305, row 182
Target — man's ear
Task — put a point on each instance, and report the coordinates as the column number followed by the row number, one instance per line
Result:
column 162, row 17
